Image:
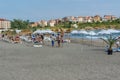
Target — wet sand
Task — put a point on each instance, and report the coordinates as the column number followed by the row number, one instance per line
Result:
column 73, row 61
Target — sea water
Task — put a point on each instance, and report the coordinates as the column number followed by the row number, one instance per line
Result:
column 94, row 34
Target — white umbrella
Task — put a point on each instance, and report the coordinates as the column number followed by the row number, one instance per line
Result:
column 42, row 31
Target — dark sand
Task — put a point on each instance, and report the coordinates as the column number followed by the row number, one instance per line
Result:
column 71, row 62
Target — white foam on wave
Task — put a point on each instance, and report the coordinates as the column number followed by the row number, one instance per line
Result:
column 109, row 31
column 94, row 33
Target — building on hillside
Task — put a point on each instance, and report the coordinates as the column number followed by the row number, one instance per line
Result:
column 58, row 21
column 97, row 18
column 42, row 23
column 65, row 19
column 109, row 17
column 51, row 23
column 5, row 24
column 80, row 19
column 71, row 18
column 33, row 24
column 88, row 19
column 114, row 18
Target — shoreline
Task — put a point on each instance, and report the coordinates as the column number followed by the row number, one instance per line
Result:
column 96, row 42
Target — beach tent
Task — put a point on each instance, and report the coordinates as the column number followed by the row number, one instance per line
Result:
column 43, row 31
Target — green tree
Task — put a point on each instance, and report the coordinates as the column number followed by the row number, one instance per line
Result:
column 20, row 24
column 110, row 42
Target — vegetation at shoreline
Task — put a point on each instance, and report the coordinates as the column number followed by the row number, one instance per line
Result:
column 25, row 24
column 105, row 24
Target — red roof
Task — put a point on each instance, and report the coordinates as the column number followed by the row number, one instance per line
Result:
column 3, row 19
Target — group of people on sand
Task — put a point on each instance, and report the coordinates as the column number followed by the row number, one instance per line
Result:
column 38, row 38
column 57, row 38
column 11, row 38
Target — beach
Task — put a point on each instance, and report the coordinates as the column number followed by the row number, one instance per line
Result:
column 73, row 61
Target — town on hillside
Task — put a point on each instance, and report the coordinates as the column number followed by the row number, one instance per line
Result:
column 6, row 24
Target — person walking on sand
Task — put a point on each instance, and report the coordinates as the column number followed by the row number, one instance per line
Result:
column 53, row 39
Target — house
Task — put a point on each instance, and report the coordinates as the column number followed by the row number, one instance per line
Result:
column 71, row 18
column 89, row 19
column 5, row 24
column 109, row 18
column 80, row 19
column 114, row 17
column 97, row 18
column 65, row 19
column 42, row 23
column 58, row 21
column 51, row 23
column 33, row 24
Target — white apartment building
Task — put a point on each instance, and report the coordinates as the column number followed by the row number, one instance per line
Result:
column 5, row 24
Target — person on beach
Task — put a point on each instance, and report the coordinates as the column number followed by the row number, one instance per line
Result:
column 53, row 39
column 61, row 39
column 58, row 38
column 42, row 39
column 33, row 38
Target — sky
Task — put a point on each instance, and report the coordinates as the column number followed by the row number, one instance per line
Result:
column 35, row 10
